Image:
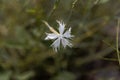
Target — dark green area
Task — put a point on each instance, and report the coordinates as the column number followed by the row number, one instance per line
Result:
column 25, row 55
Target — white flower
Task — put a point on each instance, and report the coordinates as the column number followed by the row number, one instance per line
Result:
column 61, row 38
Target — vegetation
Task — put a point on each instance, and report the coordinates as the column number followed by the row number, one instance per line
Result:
column 26, row 55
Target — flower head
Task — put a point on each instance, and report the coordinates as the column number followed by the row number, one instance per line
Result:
column 61, row 38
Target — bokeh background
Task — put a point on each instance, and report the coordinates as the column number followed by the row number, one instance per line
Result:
column 25, row 55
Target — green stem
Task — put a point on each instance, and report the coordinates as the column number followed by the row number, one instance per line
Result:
column 70, row 14
column 117, row 42
column 54, row 8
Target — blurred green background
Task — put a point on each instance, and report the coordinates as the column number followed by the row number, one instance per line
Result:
column 25, row 55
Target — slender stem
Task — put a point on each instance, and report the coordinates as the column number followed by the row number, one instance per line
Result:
column 70, row 14
column 110, row 59
column 117, row 42
column 54, row 8
column 74, row 2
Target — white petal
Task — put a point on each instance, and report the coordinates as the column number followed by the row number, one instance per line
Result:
column 56, row 44
column 66, row 42
column 67, row 34
column 51, row 36
column 61, row 26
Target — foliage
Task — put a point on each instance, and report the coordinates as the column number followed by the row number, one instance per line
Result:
column 25, row 55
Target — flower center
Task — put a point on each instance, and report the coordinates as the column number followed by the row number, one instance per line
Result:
column 61, row 36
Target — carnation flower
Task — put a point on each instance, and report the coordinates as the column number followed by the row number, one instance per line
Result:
column 62, row 37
